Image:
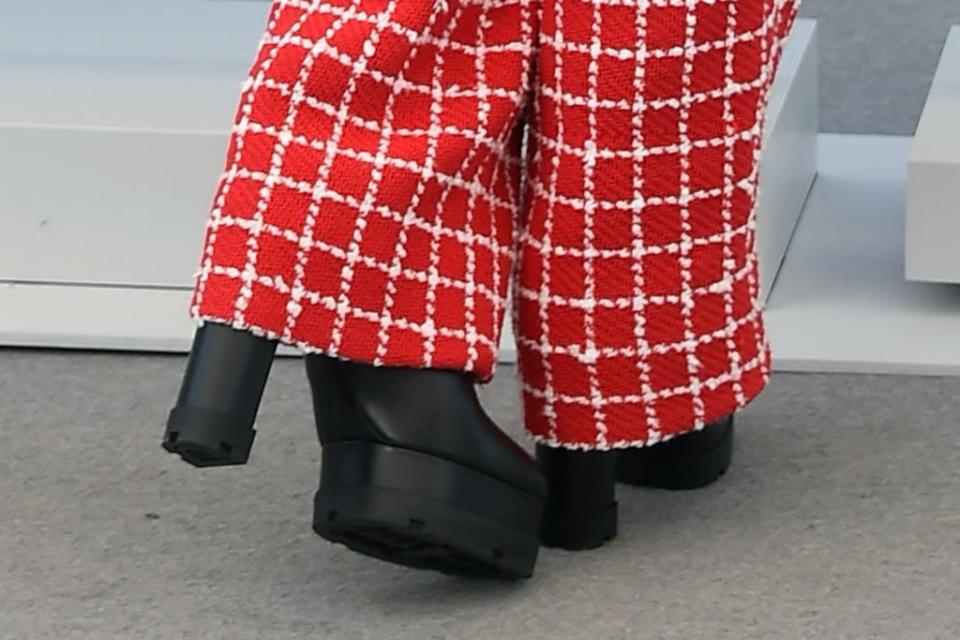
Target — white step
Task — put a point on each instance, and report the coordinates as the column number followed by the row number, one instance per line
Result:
column 933, row 200
column 841, row 303
column 113, row 124
column 113, row 128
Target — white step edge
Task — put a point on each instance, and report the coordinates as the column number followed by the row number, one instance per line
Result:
column 933, row 206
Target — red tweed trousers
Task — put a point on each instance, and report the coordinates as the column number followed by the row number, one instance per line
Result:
column 397, row 166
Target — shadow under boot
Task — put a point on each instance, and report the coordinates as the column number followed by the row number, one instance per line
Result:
column 414, row 472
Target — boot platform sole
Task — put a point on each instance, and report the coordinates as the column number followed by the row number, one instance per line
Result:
column 426, row 512
column 649, row 468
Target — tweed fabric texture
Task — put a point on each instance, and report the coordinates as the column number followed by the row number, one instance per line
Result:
column 394, row 165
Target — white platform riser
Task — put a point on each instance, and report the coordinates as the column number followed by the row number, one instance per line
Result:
column 933, row 178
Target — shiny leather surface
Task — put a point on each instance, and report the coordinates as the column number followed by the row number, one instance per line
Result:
column 431, row 411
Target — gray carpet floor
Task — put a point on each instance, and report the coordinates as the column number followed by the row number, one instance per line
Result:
column 840, row 519
column 878, row 59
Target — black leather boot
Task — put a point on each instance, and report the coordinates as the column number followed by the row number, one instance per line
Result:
column 581, row 510
column 691, row 461
column 414, row 472
column 212, row 423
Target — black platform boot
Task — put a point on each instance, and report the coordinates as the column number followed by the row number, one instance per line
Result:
column 691, row 461
column 581, row 510
column 414, row 472
column 212, row 423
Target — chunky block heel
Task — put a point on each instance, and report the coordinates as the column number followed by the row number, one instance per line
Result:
column 690, row 461
column 212, row 423
column 581, row 510
column 422, row 511
column 415, row 473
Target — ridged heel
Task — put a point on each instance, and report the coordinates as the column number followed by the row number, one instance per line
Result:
column 691, row 461
column 427, row 512
column 212, row 423
column 581, row 510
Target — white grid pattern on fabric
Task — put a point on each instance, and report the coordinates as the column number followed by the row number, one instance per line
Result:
column 408, row 219
column 428, row 330
column 589, row 353
column 487, row 140
column 546, row 189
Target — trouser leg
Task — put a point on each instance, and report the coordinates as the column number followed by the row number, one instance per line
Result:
column 638, row 316
column 366, row 210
